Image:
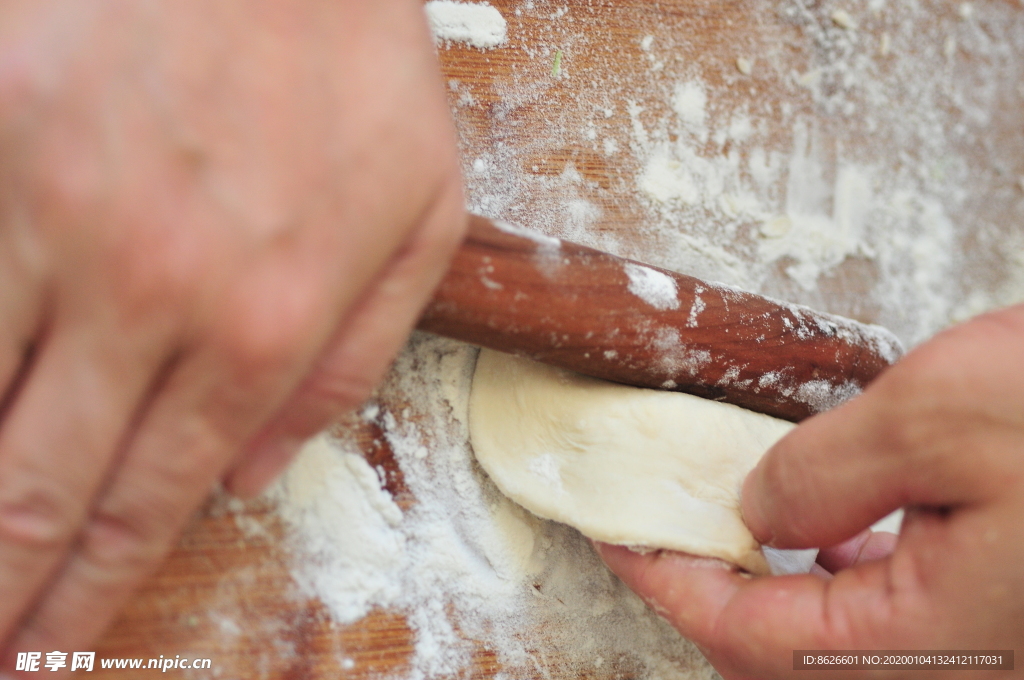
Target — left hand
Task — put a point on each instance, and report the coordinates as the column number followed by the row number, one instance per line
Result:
column 218, row 223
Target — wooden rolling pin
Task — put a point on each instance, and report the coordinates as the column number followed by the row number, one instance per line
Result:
column 578, row 308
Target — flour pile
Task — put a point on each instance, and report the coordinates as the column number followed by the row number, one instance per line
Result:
column 462, row 562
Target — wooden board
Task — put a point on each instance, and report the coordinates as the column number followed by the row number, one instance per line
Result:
column 226, row 591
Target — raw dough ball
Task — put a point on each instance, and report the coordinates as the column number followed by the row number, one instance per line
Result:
column 622, row 464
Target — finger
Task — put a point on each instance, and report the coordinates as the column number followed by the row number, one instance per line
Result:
column 56, row 446
column 749, row 628
column 359, row 354
column 182, row 445
column 827, row 467
column 841, row 471
column 866, row 546
column 900, row 443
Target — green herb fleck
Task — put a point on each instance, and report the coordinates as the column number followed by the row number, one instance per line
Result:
column 556, row 68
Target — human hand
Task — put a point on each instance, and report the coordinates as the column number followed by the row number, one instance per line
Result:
column 218, row 223
column 940, row 433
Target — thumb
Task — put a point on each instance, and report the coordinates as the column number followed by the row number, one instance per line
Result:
column 893, row 446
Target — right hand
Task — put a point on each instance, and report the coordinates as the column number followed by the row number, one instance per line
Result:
column 941, row 433
column 218, row 223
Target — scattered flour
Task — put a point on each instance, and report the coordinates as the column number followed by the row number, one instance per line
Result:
column 545, row 467
column 696, row 308
column 848, row 193
column 653, row 287
column 476, row 24
column 689, row 102
column 845, row 191
column 824, row 224
column 464, row 564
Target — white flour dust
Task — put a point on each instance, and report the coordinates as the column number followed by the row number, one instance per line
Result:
column 476, row 24
column 848, row 192
column 463, row 563
column 356, row 533
column 653, row 287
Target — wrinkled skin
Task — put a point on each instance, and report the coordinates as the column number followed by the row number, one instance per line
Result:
column 942, row 434
column 218, row 223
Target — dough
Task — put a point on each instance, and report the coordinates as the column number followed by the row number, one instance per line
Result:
column 624, row 465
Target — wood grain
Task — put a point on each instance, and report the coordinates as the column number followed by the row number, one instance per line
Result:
column 575, row 307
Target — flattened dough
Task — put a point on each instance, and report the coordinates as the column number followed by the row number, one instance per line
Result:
column 622, row 464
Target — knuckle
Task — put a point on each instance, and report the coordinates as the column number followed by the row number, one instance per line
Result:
column 856, row 621
column 256, row 351
column 127, row 541
column 272, row 334
column 37, row 518
column 151, row 274
column 132, row 529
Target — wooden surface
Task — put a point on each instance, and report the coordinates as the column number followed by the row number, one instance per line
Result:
column 226, row 592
